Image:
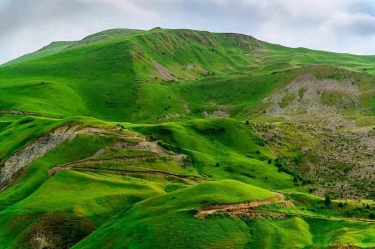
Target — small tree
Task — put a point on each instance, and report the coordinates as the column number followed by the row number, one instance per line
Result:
column 247, row 122
column 328, row 200
column 341, row 205
column 372, row 215
column 217, row 164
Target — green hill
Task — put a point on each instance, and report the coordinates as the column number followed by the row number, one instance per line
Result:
column 52, row 48
column 186, row 139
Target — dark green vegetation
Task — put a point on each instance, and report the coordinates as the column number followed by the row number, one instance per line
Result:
column 186, row 139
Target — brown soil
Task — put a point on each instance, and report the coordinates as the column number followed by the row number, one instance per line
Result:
column 163, row 72
column 58, row 230
column 238, row 209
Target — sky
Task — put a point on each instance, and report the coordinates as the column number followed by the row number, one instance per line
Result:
column 333, row 25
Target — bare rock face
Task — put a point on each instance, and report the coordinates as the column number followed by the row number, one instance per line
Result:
column 38, row 148
column 163, row 72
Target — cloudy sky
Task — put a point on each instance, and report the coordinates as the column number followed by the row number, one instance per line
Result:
column 335, row 25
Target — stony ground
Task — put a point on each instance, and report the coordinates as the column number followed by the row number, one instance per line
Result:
column 336, row 159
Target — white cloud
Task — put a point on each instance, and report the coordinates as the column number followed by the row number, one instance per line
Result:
column 129, row 7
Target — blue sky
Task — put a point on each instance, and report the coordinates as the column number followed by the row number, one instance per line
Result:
column 335, row 25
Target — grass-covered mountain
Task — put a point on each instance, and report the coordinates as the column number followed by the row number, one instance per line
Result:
column 186, row 139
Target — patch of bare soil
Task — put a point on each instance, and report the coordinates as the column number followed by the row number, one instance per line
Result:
column 58, row 230
column 187, row 109
column 238, row 209
column 222, row 111
column 190, row 67
column 162, row 71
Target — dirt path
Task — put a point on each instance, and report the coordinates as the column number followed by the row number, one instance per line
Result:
column 88, row 162
column 187, row 179
column 69, row 166
column 137, row 172
column 19, row 113
column 237, row 209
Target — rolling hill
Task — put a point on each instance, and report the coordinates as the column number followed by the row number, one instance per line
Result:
column 186, row 139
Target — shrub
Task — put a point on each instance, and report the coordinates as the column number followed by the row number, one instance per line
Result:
column 312, row 190
column 26, row 120
column 188, row 161
column 193, row 211
column 328, row 200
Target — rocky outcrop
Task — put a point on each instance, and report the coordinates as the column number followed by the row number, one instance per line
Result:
column 38, row 148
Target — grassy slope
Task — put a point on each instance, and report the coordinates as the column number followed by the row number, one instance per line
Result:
column 52, row 48
column 114, row 79
column 213, row 141
column 148, row 223
column 155, row 218
column 109, row 76
column 104, row 35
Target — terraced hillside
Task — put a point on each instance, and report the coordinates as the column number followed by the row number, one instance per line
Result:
column 186, row 139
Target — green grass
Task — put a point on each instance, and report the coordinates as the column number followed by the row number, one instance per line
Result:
column 107, row 80
column 52, row 48
column 230, row 143
column 68, row 82
column 162, row 215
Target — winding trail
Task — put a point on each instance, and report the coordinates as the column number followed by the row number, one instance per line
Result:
column 139, row 172
column 84, row 165
column 69, row 166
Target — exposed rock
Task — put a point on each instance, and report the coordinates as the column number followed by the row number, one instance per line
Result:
column 222, row 111
column 163, row 72
column 145, row 145
column 38, row 148
column 187, row 109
